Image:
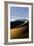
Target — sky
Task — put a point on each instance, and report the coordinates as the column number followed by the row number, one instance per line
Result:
column 19, row 13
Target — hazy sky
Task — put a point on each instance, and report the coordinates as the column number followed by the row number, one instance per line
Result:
column 19, row 13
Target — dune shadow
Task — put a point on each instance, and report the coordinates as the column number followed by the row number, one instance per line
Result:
column 18, row 30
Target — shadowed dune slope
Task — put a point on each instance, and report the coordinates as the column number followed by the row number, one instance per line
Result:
column 20, row 32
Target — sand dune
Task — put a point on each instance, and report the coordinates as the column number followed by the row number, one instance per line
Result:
column 17, row 32
column 20, row 32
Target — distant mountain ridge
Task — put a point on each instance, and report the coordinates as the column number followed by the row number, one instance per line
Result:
column 20, row 20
